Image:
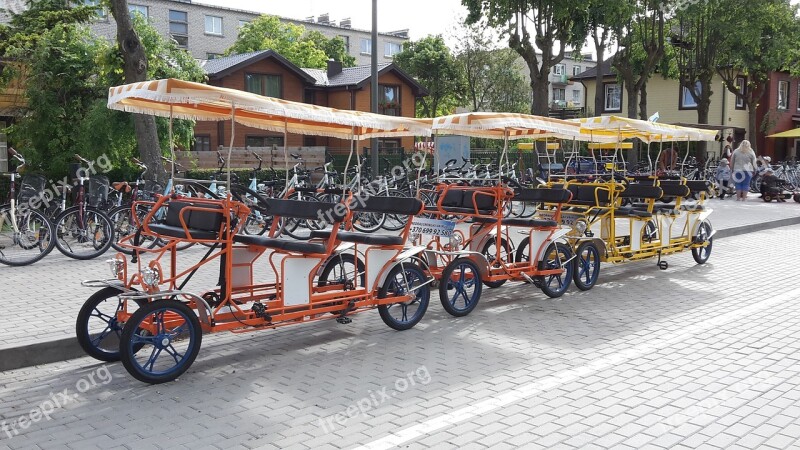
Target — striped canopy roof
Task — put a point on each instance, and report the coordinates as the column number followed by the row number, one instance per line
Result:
column 626, row 128
column 196, row 101
column 517, row 126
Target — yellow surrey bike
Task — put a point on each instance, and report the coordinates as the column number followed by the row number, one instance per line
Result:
column 605, row 231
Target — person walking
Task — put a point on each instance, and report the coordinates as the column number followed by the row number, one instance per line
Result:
column 743, row 166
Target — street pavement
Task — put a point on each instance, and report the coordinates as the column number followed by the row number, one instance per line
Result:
column 691, row 357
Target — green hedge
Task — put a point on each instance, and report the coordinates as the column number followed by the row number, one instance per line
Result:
column 243, row 174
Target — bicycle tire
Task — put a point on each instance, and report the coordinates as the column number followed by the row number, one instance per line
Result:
column 65, row 232
column 8, row 236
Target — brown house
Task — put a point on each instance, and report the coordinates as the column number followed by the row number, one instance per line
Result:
column 268, row 73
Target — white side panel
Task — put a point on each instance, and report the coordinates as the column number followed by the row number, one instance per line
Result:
column 665, row 228
column 296, row 279
column 242, row 270
column 538, row 237
column 376, row 260
column 636, row 234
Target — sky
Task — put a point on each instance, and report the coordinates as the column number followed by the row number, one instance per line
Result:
column 421, row 17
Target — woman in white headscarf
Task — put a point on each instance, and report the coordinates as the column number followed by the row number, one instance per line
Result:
column 743, row 166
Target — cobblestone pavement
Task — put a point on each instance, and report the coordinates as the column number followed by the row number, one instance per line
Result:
column 50, row 296
column 695, row 356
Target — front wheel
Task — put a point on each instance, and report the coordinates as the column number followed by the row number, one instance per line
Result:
column 402, row 280
column 703, row 236
column 490, row 252
column 160, row 341
column 557, row 255
column 460, row 287
column 98, row 327
column 587, row 266
column 83, row 234
column 26, row 236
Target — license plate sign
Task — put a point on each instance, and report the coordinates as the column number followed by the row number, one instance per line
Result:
column 432, row 227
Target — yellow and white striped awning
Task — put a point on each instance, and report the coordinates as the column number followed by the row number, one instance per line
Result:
column 498, row 125
column 188, row 100
column 626, row 128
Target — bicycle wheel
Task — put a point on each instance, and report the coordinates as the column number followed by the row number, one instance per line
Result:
column 97, row 328
column 402, row 280
column 123, row 224
column 84, row 235
column 29, row 241
column 257, row 221
column 301, row 228
column 395, row 222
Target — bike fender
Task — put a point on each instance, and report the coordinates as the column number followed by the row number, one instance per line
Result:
column 404, row 257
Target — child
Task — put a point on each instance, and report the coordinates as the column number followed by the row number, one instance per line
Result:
column 723, row 175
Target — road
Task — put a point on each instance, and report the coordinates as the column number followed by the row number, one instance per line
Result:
column 695, row 356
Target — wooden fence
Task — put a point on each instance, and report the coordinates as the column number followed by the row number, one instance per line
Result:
column 242, row 158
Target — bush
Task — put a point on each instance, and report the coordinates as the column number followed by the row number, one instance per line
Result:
column 242, row 174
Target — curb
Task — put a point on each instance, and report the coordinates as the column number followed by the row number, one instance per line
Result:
column 68, row 348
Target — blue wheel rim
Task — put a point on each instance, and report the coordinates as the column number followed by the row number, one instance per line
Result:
column 563, row 279
column 464, row 288
column 163, row 348
column 398, row 287
column 588, row 266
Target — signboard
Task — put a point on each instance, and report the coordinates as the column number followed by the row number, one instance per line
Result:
column 432, row 227
column 450, row 147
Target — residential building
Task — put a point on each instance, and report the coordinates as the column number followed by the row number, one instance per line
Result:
column 779, row 111
column 673, row 103
column 208, row 31
column 563, row 92
column 268, row 73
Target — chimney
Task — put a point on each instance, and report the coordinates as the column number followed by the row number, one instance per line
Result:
column 334, row 68
column 324, row 19
column 310, row 19
column 345, row 23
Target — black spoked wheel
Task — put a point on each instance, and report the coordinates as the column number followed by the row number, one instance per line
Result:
column 98, row 328
column 460, row 287
column 404, row 279
column 124, row 224
column 587, row 265
column 342, row 269
column 395, row 222
column 649, row 232
column 160, row 341
column 258, row 221
column 490, row 252
column 557, row 255
column 25, row 236
column 703, row 236
column 83, row 235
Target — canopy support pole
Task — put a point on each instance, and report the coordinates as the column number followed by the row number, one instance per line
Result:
column 171, row 151
column 286, row 153
column 230, row 147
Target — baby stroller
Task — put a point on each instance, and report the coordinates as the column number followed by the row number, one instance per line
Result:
column 774, row 188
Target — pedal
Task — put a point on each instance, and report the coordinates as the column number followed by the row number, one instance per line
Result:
column 344, row 320
column 260, row 311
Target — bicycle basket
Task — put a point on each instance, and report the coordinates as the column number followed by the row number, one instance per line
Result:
column 32, row 186
column 97, row 188
column 148, row 190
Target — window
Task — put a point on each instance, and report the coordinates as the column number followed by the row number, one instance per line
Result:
column 243, row 22
column 214, row 25
column 559, row 94
column 268, row 85
column 741, row 86
column 346, row 40
column 102, row 14
column 202, row 144
column 613, row 97
column 214, row 55
column 783, row 95
column 559, row 69
column 140, row 9
column 389, row 100
column 179, row 27
column 391, row 49
column 389, row 146
column 576, row 70
column 366, row 46
column 263, row 141
column 576, row 95
column 798, row 96
column 687, row 100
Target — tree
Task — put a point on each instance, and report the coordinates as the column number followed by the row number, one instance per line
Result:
column 135, row 69
column 604, row 16
column 492, row 80
column 434, row 67
column 334, row 49
column 765, row 45
column 557, row 24
column 641, row 40
column 289, row 40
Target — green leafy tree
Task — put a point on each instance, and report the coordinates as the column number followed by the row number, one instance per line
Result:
column 430, row 61
column 604, row 17
column 539, row 31
column 492, row 79
column 766, row 44
column 334, row 48
column 289, row 40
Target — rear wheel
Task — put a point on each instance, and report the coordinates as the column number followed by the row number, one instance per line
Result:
column 31, row 240
column 83, row 235
column 557, row 255
column 402, row 280
column 460, row 287
column 703, row 236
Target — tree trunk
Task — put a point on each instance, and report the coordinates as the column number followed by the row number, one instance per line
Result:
column 135, row 70
column 633, row 99
column 752, row 123
column 702, row 117
column 599, row 95
column 643, row 102
column 540, row 105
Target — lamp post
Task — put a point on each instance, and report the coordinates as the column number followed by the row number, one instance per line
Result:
column 374, row 84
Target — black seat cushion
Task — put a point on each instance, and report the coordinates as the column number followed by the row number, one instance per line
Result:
column 631, row 212
column 359, row 238
column 543, row 195
column 532, row 223
column 635, row 190
column 331, row 212
column 180, row 233
column 698, row 185
column 387, row 205
column 281, row 244
column 674, row 189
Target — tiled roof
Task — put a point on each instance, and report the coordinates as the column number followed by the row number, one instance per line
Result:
column 212, row 66
column 605, row 66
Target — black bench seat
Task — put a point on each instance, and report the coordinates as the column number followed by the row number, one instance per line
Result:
column 519, row 222
column 281, row 244
column 360, row 238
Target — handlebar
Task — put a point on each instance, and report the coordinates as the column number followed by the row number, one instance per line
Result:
column 16, row 155
column 256, row 155
column 81, row 159
column 295, row 156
